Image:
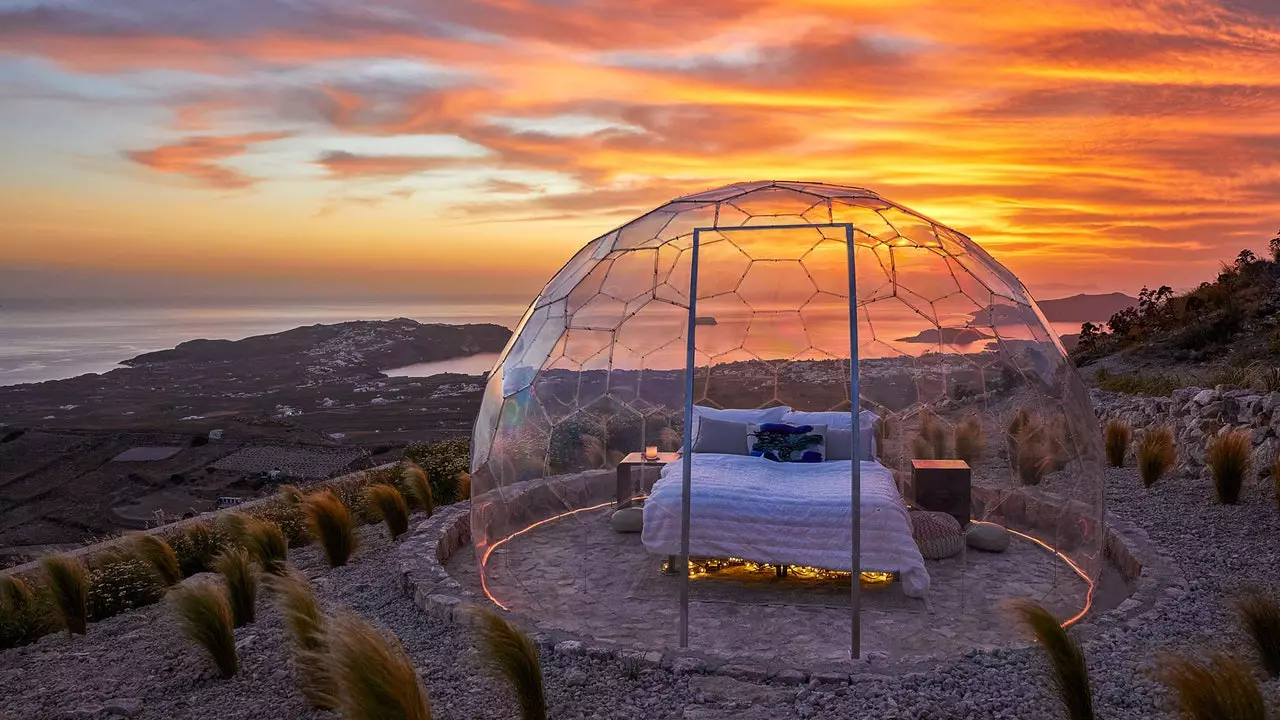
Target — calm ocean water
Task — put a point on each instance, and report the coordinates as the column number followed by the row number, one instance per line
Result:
column 49, row 340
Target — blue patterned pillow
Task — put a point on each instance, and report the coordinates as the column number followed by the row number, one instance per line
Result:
column 783, row 442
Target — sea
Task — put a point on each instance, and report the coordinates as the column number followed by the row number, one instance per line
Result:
column 54, row 339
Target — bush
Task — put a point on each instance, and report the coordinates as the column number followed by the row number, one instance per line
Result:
column 1260, row 616
column 969, row 442
column 1229, row 457
column 376, row 679
column 330, row 523
column 119, row 582
column 388, row 503
column 1156, row 454
column 306, row 624
column 195, row 548
column 206, row 620
column 241, row 577
column 443, row 461
column 1118, row 434
column 1070, row 673
column 68, row 584
column 1222, row 689
column 930, row 442
column 512, row 655
column 155, row 552
column 286, row 514
column 417, row 489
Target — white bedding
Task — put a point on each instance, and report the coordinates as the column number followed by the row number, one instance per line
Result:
column 786, row 513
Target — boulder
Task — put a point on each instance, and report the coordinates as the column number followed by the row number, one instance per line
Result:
column 1204, row 397
column 627, row 520
column 987, row 536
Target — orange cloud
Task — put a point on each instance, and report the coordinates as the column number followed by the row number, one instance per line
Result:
column 342, row 164
column 197, row 158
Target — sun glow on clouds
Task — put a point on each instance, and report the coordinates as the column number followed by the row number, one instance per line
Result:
column 1088, row 144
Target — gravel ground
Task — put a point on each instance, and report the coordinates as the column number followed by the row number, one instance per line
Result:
column 139, row 665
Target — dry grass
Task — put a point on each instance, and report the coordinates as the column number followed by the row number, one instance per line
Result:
column 1070, row 674
column 331, row 524
column 1117, row 435
column 14, row 593
column 196, row 547
column 290, row 495
column 1260, row 617
column 969, row 442
column 240, row 573
column 388, row 504
column 511, row 654
column 1222, row 689
column 68, row 584
column 157, row 553
column 1033, row 456
column 464, row 486
column 375, row 678
column 1275, row 480
column 206, row 620
column 417, row 488
column 262, row 538
column 1229, row 458
column 930, row 442
column 1156, row 454
column 306, row 623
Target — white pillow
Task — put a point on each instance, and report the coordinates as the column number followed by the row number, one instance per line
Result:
column 840, row 421
column 751, row 417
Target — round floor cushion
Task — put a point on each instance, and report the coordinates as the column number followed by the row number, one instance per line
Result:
column 628, row 520
column 937, row 534
column 987, row 536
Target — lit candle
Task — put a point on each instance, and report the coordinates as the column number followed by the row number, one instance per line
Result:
column 651, row 452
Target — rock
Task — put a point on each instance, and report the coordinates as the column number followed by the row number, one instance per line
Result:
column 125, row 707
column 628, row 520
column 1271, row 402
column 1212, row 410
column 575, row 678
column 1204, row 397
column 987, row 536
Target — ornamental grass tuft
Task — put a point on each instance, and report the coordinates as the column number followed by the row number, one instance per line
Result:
column 1156, row 454
column 1229, row 458
column 1260, row 616
column 262, row 538
column 331, row 524
column 417, row 489
column 158, row 554
column 1221, row 689
column 1117, row 435
column 195, row 547
column 1070, row 673
column 512, row 655
column 240, row 573
column 306, row 624
column 375, row 678
column 206, row 620
column 388, row 504
column 968, row 441
column 68, row 584
column 464, row 486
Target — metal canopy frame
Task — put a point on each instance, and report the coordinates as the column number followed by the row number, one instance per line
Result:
column 855, row 480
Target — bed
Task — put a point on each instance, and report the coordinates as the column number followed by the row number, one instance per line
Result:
column 785, row 513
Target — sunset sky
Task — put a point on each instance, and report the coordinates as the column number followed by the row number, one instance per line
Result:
column 468, row 147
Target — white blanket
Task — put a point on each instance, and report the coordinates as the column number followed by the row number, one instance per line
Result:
column 785, row 513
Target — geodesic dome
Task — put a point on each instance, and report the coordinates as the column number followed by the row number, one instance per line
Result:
column 952, row 356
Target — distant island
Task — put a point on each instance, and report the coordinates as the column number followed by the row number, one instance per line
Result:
column 1076, row 308
column 950, row 336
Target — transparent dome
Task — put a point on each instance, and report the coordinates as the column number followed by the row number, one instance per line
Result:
column 951, row 360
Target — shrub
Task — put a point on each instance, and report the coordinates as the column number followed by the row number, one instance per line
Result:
column 331, row 524
column 1228, row 458
column 417, row 489
column 119, row 581
column 241, row 576
column 262, row 538
column 1222, row 689
column 443, row 461
column 206, row 620
column 306, row 624
column 511, row 655
column 1260, row 616
column 376, row 679
column 26, row 612
column 159, row 555
column 1070, row 674
column 68, row 584
column 969, row 442
column 1156, row 454
column 1118, row 434
column 930, row 442
column 286, row 513
column 391, row 507
column 195, row 548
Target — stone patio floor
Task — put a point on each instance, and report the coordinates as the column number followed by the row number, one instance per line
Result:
column 577, row 575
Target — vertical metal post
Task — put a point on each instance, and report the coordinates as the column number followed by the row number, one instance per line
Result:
column 855, row 504
column 686, row 481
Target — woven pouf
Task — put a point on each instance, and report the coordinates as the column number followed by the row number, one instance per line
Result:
column 937, row 533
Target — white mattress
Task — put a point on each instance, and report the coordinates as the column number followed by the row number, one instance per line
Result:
column 785, row 513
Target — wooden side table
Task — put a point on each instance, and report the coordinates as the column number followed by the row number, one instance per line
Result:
column 943, row 486
column 626, row 490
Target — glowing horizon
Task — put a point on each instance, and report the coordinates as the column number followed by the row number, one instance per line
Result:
column 469, row 148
